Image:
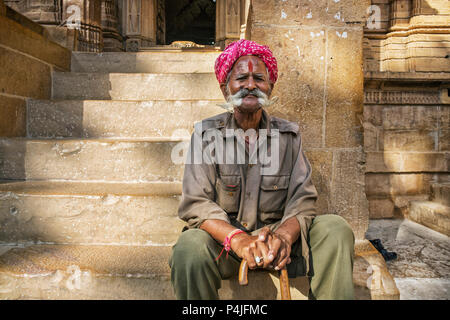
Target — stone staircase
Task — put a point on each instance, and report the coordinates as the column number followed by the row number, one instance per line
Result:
column 88, row 200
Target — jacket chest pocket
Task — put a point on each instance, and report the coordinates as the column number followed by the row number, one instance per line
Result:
column 273, row 193
column 228, row 192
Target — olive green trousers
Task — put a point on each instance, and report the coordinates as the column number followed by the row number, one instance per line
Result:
column 195, row 274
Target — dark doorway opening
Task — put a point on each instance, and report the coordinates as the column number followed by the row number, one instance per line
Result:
column 191, row 20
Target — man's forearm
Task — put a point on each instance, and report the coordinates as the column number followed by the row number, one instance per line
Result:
column 218, row 229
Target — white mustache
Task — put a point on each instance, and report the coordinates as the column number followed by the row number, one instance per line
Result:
column 236, row 99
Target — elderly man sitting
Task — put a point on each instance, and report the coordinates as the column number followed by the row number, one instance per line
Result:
column 236, row 202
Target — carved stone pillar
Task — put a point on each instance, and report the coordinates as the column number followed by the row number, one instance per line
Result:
column 112, row 40
column 230, row 15
column 139, row 23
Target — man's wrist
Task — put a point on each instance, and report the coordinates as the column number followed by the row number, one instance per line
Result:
column 236, row 239
column 285, row 236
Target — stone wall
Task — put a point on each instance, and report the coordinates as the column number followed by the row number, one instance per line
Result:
column 406, row 137
column 27, row 59
column 407, row 103
column 319, row 47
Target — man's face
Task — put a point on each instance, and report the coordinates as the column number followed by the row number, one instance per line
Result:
column 249, row 72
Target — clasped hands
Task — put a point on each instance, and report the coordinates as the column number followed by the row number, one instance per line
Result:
column 274, row 249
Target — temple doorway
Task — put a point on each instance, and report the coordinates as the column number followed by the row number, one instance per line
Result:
column 190, row 20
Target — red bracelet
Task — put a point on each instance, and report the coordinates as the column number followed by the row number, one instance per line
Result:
column 227, row 242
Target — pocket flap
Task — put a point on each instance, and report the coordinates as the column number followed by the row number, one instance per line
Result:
column 229, row 183
column 274, row 183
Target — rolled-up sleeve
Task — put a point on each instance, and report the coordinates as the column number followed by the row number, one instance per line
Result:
column 198, row 195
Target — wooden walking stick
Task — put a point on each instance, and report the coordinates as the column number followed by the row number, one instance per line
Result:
column 284, row 280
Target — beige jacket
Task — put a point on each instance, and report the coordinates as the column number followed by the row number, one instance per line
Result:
column 243, row 194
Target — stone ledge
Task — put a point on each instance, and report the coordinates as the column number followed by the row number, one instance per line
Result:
column 433, row 215
column 405, row 76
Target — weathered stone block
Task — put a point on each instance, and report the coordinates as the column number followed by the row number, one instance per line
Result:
column 388, row 185
column 370, row 137
column 344, row 88
column 444, row 117
column 24, row 76
column 410, row 117
column 407, row 161
column 429, row 64
column 13, row 117
column 381, row 208
column 441, row 193
column 347, row 194
column 321, row 162
column 408, row 141
column 444, row 140
column 373, row 114
column 394, row 66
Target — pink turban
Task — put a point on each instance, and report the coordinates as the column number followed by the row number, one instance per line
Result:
column 235, row 50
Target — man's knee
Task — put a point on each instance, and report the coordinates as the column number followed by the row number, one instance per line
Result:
column 336, row 229
column 192, row 249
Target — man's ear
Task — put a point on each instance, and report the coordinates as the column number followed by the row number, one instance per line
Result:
column 223, row 87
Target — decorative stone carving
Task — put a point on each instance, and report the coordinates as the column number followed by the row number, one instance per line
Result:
column 402, row 97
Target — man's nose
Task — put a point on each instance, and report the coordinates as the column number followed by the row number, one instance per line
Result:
column 251, row 84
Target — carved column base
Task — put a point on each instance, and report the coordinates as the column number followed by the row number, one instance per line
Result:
column 112, row 42
column 137, row 43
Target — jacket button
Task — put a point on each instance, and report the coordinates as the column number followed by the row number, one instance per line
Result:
column 275, row 187
column 245, row 224
column 230, row 193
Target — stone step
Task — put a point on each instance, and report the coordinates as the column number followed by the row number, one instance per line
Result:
column 431, row 214
column 113, row 272
column 91, row 159
column 135, row 86
column 441, row 193
column 142, row 272
column 144, row 62
column 89, row 212
column 105, row 119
